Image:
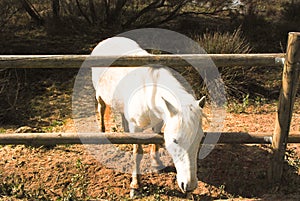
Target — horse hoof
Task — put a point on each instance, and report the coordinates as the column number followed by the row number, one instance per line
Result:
column 189, row 196
column 158, row 167
column 133, row 193
column 157, row 171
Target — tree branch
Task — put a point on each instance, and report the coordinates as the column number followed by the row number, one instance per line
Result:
column 169, row 17
column 154, row 5
column 82, row 13
column 32, row 11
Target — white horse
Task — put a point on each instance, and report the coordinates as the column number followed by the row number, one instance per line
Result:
column 146, row 97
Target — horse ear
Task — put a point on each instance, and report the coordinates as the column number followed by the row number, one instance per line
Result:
column 201, row 102
column 173, row 111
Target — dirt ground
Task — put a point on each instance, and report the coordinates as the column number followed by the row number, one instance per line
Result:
column 234, row 172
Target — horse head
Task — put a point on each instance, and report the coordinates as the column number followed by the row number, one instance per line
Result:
column 183, row 133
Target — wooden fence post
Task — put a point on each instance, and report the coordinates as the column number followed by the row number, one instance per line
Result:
column 290, row 81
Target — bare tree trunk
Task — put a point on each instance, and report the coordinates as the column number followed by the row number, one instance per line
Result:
column 55, row 8
column 114, row 15
column 92, row 10
column 32, row 11
column 107, row 11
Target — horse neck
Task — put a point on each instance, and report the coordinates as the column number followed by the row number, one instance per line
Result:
column 189, row 111
column 191, row 116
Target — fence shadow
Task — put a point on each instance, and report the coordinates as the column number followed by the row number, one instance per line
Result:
column 242, row 170
column 37, row 96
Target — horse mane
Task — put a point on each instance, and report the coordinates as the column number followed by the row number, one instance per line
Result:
column 190, row 111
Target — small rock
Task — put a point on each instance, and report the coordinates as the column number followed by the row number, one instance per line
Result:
column 24, row 129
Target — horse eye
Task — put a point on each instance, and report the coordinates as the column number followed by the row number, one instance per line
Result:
column 175, row 141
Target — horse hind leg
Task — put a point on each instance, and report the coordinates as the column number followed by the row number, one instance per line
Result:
column 101, row 106
column 107, row 118
column 105, row 113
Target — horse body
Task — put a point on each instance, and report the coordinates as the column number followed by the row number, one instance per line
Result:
column 147, row 96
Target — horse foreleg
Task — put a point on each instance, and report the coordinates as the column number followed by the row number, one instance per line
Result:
column 125, row 123
column 156, row 163
column 137, row 157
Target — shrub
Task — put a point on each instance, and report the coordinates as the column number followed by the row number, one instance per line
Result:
column 290, row 11
column 10, row 87
column 224, row 43
column 7, row 11
column 227, row 43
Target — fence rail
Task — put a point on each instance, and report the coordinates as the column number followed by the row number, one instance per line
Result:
column 126, row 138
column 75, row 61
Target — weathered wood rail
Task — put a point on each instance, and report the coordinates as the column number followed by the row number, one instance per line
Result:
column 125, row 138
column 75, row 61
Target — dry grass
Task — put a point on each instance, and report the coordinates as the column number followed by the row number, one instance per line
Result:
column 224, row 43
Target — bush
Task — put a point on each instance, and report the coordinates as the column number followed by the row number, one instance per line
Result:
column 290, row 11
column 10, row 88
column 7, row 11
column 227, row 43
column 224, row 43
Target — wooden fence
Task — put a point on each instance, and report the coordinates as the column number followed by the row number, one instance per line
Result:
column 279, row 139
